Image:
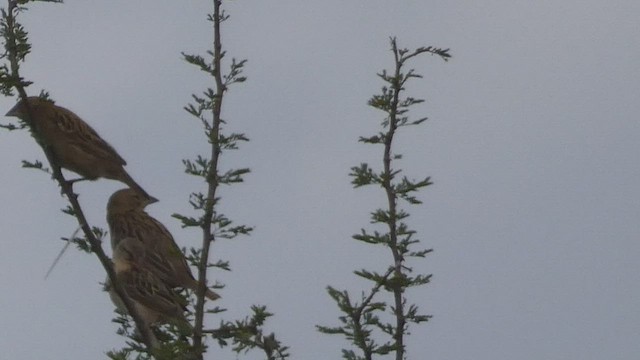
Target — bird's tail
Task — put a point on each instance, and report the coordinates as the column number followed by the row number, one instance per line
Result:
column 127, row 179
column 210, row 294
column 183, row 325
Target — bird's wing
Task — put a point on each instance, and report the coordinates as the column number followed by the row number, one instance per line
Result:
column 83, row 135
column 154, row 261
column 170, row 249
column 142, row 286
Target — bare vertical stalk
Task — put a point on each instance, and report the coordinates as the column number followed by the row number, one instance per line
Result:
column 212, row 179
column 391, row 199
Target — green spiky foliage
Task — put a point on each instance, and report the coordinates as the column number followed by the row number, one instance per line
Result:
column 377, row 322
column 248, row 333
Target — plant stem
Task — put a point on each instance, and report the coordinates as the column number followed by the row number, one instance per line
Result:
column 391, row 199
column 212, row 179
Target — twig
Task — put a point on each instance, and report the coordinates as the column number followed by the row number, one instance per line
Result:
column 212, row 179
column 391, row 199
column 64, row 249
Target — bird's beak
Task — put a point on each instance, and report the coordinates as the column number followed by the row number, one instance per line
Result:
column 14, row 111
column 151, row 200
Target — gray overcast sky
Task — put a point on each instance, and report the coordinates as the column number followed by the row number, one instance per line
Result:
column 532, row 145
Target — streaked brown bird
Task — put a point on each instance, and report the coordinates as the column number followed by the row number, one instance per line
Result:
column 127, row 219
column 155, row 302
column 74, row 144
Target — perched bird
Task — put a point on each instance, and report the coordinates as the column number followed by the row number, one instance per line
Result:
column 155, row 302
column 127, row 219
column 74, row 144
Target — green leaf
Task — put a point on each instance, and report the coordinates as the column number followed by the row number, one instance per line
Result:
column 363, row 175
column 199, row 62
column 376, row 238
column 198, row 167
column 37, row 164
column 233, row 176
column 187, row 221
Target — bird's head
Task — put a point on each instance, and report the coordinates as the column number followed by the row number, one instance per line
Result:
column 20, row 111
column 126, row 200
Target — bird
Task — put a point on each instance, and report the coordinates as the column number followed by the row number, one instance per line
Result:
column 128, row 219
column 154, row 300
column 74, row 144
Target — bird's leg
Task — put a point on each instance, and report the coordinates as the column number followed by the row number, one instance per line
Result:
column 68, row 184
column 57, row 174
column 73, row 181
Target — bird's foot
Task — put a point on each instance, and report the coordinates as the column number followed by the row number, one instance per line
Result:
column 68, row 186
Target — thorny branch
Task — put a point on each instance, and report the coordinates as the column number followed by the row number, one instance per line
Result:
column 212, row 179
column 11, row 53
